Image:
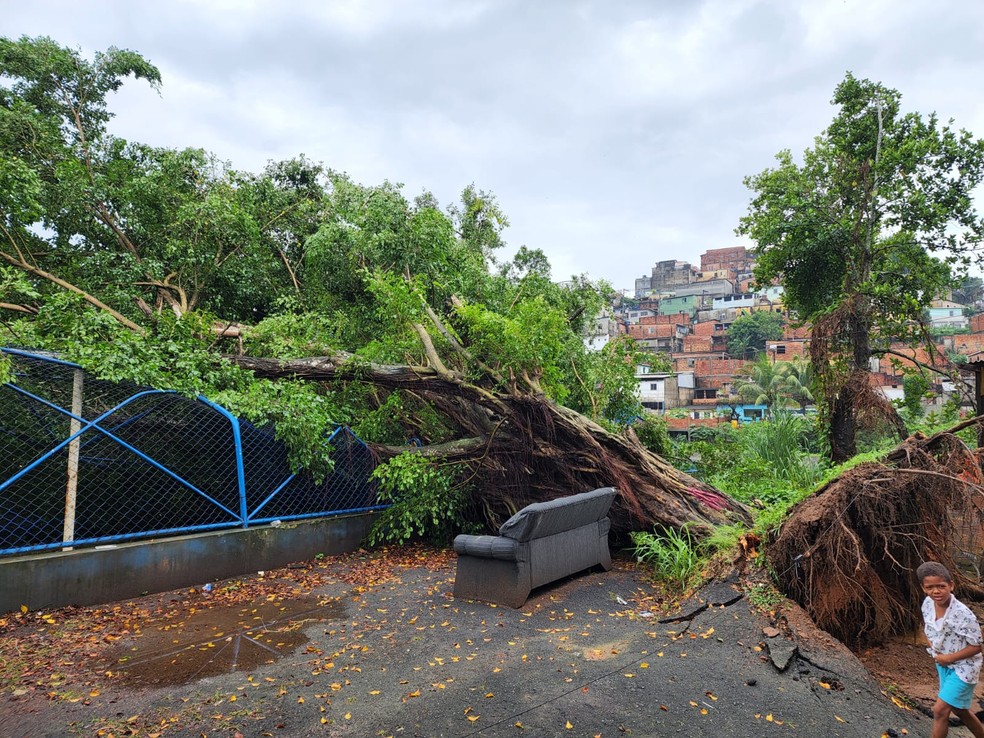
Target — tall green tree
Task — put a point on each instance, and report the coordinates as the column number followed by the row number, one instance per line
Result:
column 761, row 382
column 288, row 199
column 797, row 381
column 132, row 229
column 777, row 385
column 969, row 291
column 863, row 233
column 53, row 115
column 749, row 332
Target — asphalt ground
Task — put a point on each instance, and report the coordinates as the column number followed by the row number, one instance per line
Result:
column 588, row 656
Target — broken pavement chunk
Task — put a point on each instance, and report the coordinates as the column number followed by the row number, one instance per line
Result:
column 781, row 653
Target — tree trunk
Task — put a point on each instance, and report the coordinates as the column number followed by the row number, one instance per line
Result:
column 859, row 404
column 843, row 428
column 522, row 448
column 844, row 337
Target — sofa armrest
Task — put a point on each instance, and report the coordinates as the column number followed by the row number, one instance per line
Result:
column 487, row 547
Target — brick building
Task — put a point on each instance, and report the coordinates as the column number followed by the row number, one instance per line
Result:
column 735, row 258
column 660, row 338
column 694, row 308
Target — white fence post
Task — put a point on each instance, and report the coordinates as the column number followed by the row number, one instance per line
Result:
column 75, row 425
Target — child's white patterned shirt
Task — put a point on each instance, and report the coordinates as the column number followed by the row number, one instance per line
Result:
column 957, row 629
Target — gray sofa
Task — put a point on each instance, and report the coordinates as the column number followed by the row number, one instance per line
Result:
column 542, row 543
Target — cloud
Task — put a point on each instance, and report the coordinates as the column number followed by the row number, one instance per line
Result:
column 614, row 135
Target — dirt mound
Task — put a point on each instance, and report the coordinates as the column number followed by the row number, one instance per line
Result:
column 848, row 553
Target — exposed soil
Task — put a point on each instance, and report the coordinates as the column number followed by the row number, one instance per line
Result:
column 905, row 669
column 847, row 552
column 901, row 665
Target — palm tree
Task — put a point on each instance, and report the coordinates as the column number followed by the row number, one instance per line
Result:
column 797, row 379
column 776, row 385
column 762, row 383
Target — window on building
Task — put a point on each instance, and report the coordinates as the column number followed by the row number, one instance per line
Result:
column 780, row 349
column 654, row 386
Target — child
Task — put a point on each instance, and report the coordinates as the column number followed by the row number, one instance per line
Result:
column 955, row 645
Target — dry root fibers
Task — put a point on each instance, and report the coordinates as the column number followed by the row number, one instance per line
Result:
column 848, row 553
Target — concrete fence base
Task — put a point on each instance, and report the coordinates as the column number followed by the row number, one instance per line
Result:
column 103, row 574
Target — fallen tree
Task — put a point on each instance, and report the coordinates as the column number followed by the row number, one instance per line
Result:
column 523, row 447
column 152, row 262
column 848, row 553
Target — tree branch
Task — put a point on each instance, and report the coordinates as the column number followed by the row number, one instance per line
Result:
column 290, row 271
column 21, row 263
column 462, row 448
column 455, row 344
column 18, row 308
column 340, row 366
column 432, row 356
column 922, row 365
column 588, row 393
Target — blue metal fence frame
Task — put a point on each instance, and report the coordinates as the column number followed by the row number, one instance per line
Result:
column 244, row 518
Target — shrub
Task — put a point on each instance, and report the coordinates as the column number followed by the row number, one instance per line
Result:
column 914, row 386
column 652, row 433
column 425, row 503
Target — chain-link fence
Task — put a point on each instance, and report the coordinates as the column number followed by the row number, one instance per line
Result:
column 87, row 461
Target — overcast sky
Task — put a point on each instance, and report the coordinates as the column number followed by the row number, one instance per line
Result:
column 614, row 134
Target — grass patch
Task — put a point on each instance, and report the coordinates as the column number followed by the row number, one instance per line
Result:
column 764, row 596
column 673, row 555
column 723, row 540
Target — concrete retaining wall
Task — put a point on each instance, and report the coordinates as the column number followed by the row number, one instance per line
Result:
column 110, row 573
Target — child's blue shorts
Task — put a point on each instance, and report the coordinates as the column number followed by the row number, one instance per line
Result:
column 954, row 691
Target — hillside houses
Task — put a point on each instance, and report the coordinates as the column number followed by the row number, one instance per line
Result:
column 684, row 312
column 947, row 314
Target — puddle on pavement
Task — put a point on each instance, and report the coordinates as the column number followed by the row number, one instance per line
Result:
column 220, row 640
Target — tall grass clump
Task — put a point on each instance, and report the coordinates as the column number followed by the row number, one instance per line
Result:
column 769, row 465
column 782, row 444
column 673, row 555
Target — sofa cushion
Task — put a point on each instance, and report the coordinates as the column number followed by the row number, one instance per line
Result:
column 565, row 513
column 487, row 547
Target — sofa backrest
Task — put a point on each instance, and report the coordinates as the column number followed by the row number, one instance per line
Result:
column 565, row 513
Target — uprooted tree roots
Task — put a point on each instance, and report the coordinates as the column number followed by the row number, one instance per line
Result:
column 522, row 447
column 848, row 553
